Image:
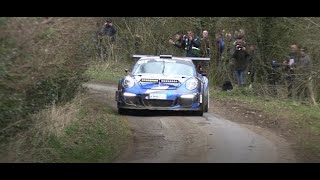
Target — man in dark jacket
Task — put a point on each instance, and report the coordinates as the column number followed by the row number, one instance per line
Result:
column 289, row 66
column 220, row 44
column 240, row 57
column 192, row 45
column 178, row 41
column 109, row 30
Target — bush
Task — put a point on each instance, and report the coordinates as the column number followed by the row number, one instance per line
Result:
column 42, row 63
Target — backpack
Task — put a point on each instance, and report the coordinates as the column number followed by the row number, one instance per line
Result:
column 227, row 86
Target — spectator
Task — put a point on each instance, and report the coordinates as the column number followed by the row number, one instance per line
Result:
column 138, row 40
column 236, row 35
column 289, row 65
column 205, row 44
column 220, row 47
column 252, row 62
column 178, row 41
column 304, row 63
column 240, row 58
column 303, row 69
column 192, row 45
column 228, row 47
column 294, row 53
column 109, row 30
column 242, row 34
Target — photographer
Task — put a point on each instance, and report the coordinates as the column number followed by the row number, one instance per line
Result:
column 240, row 61
column 109, row 30
column 289, row 66
column 179, row 40
column 192, row 45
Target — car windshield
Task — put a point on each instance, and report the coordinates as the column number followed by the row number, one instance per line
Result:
column 166, row 67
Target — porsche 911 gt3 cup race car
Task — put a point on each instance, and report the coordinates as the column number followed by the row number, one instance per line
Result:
column 164, row 83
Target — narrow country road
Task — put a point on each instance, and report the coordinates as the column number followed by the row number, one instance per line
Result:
column 173, row 138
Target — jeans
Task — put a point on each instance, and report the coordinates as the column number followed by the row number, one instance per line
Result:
column 240, row 77
column 290, row 82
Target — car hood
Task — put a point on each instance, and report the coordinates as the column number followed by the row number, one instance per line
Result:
column 160, row 81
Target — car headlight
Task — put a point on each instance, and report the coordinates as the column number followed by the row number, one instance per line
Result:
column 191, row 84
column 128, row 82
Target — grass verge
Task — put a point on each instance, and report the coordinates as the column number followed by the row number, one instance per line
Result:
column 106, row 72
column 83, row 130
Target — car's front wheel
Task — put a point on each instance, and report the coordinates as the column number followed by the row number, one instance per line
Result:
column 122, row 111
column 200, row 112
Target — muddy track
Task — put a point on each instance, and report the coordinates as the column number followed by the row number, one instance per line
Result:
column 179, row 137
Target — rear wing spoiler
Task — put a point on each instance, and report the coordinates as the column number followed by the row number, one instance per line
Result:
column 141, row 56
column 197, row 58
column 170, row 57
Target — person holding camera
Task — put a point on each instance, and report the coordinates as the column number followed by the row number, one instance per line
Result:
column 109, row 30
column 240, row 61
column 105, row 33
column 289, row 66
column 192, row 45
column 178, row 40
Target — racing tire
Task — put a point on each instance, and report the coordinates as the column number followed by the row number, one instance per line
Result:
column 200, row 112
column 122, row 111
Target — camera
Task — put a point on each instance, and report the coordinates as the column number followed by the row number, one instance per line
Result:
column 185, row 37
column 274, row 65
column 239, row 47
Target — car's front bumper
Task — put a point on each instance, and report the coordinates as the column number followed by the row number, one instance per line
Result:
column 175, row 102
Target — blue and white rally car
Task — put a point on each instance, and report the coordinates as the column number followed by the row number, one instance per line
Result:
column 164, row 83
